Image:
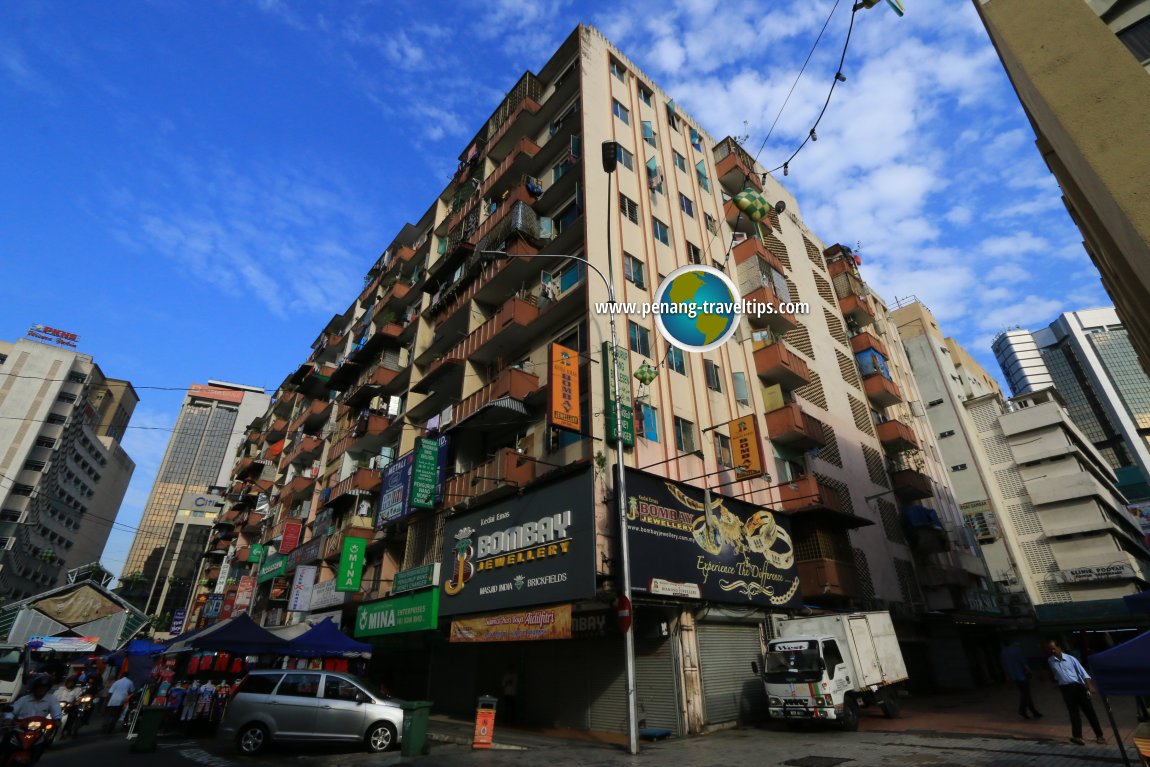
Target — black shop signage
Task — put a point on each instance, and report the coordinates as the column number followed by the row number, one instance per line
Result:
column 739, row 553
column 531, row 549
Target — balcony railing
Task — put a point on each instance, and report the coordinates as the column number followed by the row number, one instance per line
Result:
column 504, row 330
column 790, row 426
column 806, row 494
column 295, row 490
column 896, row 436
column 311, row 419
column 734, row 167
column 821, row 578
column 514, row 383
column 361, row 482
column 857, row 309
column 911, row 484
column 505, row 469
column 776, row 364
column 355, row 527
column 751, row 247
column 861, row 342
column 306, row 450
column 881, row 391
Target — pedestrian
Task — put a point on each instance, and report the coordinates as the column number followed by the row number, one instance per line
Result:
column 1075, row 685
column 118, row 694
column 1017, row 670
column 510, row 686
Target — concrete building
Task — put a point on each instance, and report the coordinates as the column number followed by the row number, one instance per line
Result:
column 63, row 473
column 1045, row 504
column 1088, row 357
column 198, row 457
column 466, row 385
column 1088, row 100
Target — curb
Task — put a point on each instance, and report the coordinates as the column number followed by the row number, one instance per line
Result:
column 461, row 740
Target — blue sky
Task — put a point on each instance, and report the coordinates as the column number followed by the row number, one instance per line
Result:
column 195, row 187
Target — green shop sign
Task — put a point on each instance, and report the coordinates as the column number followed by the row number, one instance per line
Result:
column 273, row 568
column 425, row 474
column 622, row 360
column 351, row 559
column 416, row 578
column 399, row 615
column 257, row 553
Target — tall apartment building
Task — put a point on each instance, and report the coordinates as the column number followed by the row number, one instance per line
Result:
column 455, row 410
column 199, row 457
column 1045, row 503
column 1088, row 357
column 1088, row 100
column 63, row 473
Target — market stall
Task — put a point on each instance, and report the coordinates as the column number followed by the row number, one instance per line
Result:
column 324, row 646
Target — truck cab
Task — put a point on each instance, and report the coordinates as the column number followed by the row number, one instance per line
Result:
column 14, row 667
column 806, row 678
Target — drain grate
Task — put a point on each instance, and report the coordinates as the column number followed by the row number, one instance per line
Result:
column 816, row 761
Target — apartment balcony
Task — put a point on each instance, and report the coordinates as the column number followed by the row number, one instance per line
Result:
column 507, row 393
column 355, row 527
column 776, row 364
column 511, row 170
column 444, row 373
column 857, row 309
column 383, row 377
column 313, row 418
column 822, row 578
column 896, row 436
column 807, row 494
column 218, row 548
column 507, row 330
column 361, row 482
column 735, row 168
column 243, row 555
column 777, row 320
column 911, row 484
column 284, row 406
column 791, row 427
column 252, row 524
column 299, row 488
column 395, row 296
column 305, row 450
column 863, row 342
column 881, row 391
column 752, row 247
column 504, row 470
column 839, row 260
column 276, row 430
column 739, row 221
column 486, row 279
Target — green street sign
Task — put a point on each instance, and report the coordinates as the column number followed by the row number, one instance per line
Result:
column 351, row 561
column 416, row 578
column 274, row 567
column 398, row 615
column 622, row 362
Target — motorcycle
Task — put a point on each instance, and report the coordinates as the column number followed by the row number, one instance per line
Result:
column 27, row 739
column 69, row 720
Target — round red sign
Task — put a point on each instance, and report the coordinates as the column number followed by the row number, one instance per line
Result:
column 623, row 613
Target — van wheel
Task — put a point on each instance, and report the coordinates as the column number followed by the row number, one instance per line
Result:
column 849, row 721
column 889, row 703
column 380, row 737
column 252, row 739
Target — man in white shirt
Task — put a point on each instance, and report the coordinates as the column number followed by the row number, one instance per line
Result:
column 1075, row 685
column 118, row 695
column 70, row 692
column 39, row 702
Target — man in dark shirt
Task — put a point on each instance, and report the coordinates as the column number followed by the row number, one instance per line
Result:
column 1017, row 670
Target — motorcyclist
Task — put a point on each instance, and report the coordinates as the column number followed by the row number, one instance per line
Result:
column 70, row 692
column 39, row 702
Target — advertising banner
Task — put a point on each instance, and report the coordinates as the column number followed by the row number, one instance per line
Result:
column 278, row 591
column 229, row 604
column 213, row 606
column 393, row 491
column 308, row 552
column 350, row 573
column 244, row 593
column 531, row 549
column 415, row 578
column 292, row 533
column 274, row 567
column 739, row 553
column 178, row 617
column 301, row 585
column 529, row 625
column 324, row 595
column 398, row 615
column 564, row 411
column 425, row 471
column 67, row 644
column 746, row 446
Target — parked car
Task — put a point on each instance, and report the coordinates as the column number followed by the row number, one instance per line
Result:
column 288, row 705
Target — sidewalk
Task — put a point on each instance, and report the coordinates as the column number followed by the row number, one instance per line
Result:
column 443, row 729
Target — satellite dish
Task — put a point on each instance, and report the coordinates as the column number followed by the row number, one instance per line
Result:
column 780, row 206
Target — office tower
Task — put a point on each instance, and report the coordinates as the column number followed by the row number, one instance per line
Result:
column 63, row 473
column 198, row 457
column 1088, row 358
column 1080, row 72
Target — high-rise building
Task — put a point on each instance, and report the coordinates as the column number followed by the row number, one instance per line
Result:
column 459, row 411
column 1088, row 357
column 63, row 473
column 1088, row 100
column 1043, row 501
column 199, row 457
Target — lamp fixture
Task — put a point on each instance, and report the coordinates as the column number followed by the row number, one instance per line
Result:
column 814, row 136
column 840, row 77
column 786, row 169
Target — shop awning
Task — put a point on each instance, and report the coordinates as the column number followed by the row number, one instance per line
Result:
column 326, row 641
column 235, row 635
column 1125, row 669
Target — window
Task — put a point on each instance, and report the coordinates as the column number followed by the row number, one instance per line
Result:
column 723, row 450
column 662, row 234
column 633, row 271
column 11, row 515
column 679, row 160
column 56, row 418
column 645, row 95
column 625, row 158
column 712, row 224
column 694, row 255
column 672, row 116
column 3, row 358
column 629, row 208
column 958, row 467
column 299, row 685
column 640, row 339
column 686, row 205
column 559, row 170
column 568, row 217
column 647, row 421
column 47, row 442
column 713, row 375
column 649, row 134
column 675, row 360
column 34, row 465
column 618, row 71
column 621, row 111
column 947, row 433
column 701, row 172
column 684, row 435
column 77, row 378
column 831, row 656
column 934, row 402
column 742, row 393
column 19, row 489
column 259, row 684
column 337, row 688
column 66, row 397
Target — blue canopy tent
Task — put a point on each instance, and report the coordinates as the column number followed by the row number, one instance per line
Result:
column 1138, row 603
column 1124, row 669
column 144, row 647
column 239, row 636
column 325, row 640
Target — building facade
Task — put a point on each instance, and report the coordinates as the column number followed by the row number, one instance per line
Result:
column 457, row 419
column 1043, row 501
column 63, row 473
column 1088, row 100
column 199, row 455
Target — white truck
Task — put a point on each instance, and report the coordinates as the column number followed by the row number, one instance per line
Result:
column 826, row 667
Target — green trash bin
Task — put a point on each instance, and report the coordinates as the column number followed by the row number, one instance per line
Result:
column 148, row 723
column 415, row 716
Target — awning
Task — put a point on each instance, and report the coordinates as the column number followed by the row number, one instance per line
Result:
column 493, row 412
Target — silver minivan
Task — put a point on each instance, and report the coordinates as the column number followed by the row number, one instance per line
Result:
column 286, row 705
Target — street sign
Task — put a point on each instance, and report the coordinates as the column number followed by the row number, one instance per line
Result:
column 623, row 613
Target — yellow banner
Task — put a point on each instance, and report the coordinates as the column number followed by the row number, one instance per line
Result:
column 746, row 446
column 544, row 623
column 565, row 388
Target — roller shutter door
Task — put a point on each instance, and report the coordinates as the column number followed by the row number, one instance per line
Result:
column 657, row 686
column 730, row 690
